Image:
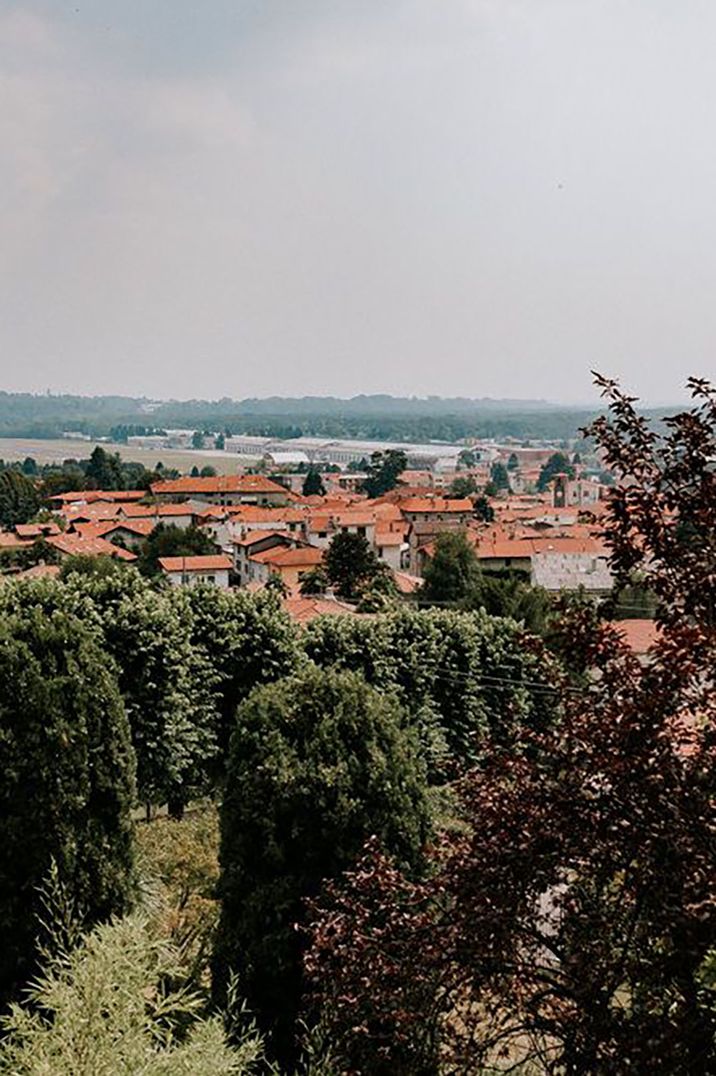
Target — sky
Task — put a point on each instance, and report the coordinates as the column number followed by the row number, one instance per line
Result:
column 453, row 197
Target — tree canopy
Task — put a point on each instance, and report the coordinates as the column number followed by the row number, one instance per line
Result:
column 318, row 763
column 384, row 470
column 67, row 784
column 19, row 498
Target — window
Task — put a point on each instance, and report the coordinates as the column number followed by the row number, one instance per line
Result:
column 361, row 531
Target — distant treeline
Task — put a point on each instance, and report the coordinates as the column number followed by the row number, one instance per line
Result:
column 370, row 417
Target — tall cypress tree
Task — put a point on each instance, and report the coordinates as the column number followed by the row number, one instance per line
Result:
column 67, row 783
column 319, row 762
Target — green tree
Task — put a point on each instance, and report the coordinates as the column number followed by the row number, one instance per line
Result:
column 384, row 470
column 246, row 640
column 19, row 498
column 314, row 581
column 380, row 592
column 453, row 571
column 350, row 565
column 313, row 484
column 483, row 510
column 499, row 476
column 220, row 442
column 558, row 463
column 513, row 462
column 29, row 467
column 466, row 679
column 67, row 780
column 318, row 764
column 466, row 459
column 171, row 541
column 197, row 439
column 104, row 471
column 107, row 1007
column 463, row 486
column 208, row 472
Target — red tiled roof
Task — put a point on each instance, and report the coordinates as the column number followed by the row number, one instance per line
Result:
column 303, row 609
column 146, row 511
column 406, row 583
column 91, row 495
column 11, row 541
column 238, row 483
column 77, row 545
column 40, row 571
column 100, row 510
column 385, row 536
column 140, row 527
column 251, row 513
column 253, row 537
column 208, row 563
column 639, row 635
column 436, row 504
column 286, row 558
column 35, row 530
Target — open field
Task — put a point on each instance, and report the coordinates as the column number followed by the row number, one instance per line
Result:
column 17, row 448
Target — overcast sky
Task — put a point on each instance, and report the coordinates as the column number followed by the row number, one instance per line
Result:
column 247, row 197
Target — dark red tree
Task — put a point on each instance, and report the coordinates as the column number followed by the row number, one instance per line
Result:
column 568, row 927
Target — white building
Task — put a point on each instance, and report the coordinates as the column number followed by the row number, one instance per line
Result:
column 190, row 571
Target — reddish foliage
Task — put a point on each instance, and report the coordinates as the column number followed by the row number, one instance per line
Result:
column 570, row 925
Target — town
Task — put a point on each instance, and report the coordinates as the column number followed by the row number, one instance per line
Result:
column 529, row 513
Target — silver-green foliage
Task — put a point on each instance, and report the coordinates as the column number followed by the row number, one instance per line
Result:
column 103, row 1009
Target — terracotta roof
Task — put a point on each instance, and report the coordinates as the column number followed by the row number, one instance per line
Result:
column 40, row 571
column 353, row 518
column 35, row 530
column 12, row 541
column 286, row 558
column 100, row 510
column 146, row 511
column 91, row 495
column 406, row 583
column 77, row 545
column 639, row 635
column 251, row 513
column 253, row 537
column 305, row 609
column 208, row 563
column 236, row 483
column 140, row 527
column 385, row 536
column 436, row 504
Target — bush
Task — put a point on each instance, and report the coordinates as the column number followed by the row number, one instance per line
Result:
column 104, row 1009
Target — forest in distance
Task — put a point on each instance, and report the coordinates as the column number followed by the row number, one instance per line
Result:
column 378, row 417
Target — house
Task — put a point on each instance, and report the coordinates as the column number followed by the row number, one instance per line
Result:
column 391, row 544
column 181, row 515
column 289, row 564
column 428, row 516
column 254, row 542
column 557, row 571
column 130, row 533
column 191, row 571
column 76, row 545
column 224, row 489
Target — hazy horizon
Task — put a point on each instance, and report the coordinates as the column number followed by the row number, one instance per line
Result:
column 247, row 198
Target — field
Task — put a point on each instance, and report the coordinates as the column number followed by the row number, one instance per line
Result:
column 17, row 448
